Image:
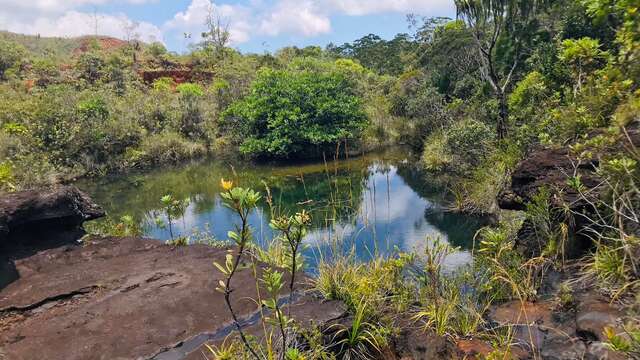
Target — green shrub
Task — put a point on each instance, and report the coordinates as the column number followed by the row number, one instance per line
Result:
column 469, row 141
column 6, row 176
column 11, row 54
column 167, row 147
column 93, row 109
column 436, row 156
column 90, row 66
column 296, row 113
column 460, row 148
column 191, row 119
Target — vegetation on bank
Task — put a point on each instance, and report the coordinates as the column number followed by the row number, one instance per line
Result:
column 474, row 94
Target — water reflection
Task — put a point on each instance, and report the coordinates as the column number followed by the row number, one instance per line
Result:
column 371, row 205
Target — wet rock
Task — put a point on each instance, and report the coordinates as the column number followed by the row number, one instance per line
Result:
column 61, row 207
column 563, row 348
column 473, row 348
column 592, row 316
column 123, row 298
column 415, row 343
column 598, row 351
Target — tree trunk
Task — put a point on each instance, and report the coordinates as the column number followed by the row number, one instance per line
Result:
column 503, row 116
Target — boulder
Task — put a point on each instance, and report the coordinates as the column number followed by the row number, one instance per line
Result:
column 60, row 207
column 548, row 168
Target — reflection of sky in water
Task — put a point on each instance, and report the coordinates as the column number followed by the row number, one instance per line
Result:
column 391, row 217
column 395, row 207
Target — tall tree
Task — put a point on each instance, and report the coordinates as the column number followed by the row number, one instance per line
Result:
column 492, row 21
column 217, row 37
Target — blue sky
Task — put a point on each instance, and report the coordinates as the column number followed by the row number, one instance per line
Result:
column 255, row 25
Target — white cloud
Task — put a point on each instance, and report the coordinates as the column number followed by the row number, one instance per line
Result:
column 61, row 18
column 31, row 7
column 255, row 18
column 192, row 20
column 74, row 23
column 366, row 7
column 302, row 17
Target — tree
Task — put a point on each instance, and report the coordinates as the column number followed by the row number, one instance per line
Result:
column 375, row 53
column 493, row 21
column 217, row 36
column 296, row 113
column 446, row 52
column 191, row 121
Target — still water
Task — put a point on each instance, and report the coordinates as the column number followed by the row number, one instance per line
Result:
column 376, row 204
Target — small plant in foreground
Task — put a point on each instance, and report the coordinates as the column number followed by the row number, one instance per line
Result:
column 627, row 342
column 273, row 283
column 293, row 229
column 242, row 202
column 362, row 340
column 173, row 209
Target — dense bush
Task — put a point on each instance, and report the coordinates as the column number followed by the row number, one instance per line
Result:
column 460, row 148
column 296, row 113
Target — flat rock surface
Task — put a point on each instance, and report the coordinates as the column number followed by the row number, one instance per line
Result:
column 112, row 298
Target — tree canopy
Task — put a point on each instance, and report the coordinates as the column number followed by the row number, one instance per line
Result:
column 296, row 113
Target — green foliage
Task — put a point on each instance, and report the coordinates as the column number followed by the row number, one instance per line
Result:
column 382, row 56
column 94, row 109
column 508, row 275
column 6, row 176
column 126, row 225
column 296, row 113
column 91, row 67
column 436, row 156
column 173, row 209
column 463, row 146
column 362, row 340
column 468, row 142
column 373, row 283
column 163, row 148
column 11, row 54
column 189, row 90
column 46, row 71
column 164, row 84
column 526, row 98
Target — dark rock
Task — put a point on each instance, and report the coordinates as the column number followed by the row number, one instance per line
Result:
column 126, row 298
column 415, row 343
column 548, row 168
column 62, row 207
column 598, row 350
column 563, row 348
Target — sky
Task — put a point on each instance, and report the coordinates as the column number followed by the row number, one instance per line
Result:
column 255, row 25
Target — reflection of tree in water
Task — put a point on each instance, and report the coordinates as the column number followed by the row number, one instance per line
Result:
column 139, row 195
column 334, row 197
column 330, row 192
column 428, row 188
column 460, row 229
